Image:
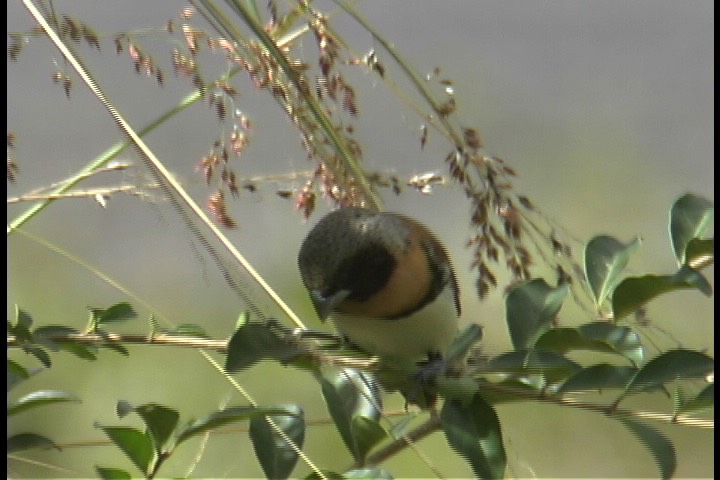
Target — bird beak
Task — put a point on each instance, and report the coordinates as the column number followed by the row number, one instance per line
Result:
column 324, row 305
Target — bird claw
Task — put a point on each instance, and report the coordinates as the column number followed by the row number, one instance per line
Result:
column 422, row 393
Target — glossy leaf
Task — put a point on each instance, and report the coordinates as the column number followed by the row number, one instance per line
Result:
column 276, row 455
column 473, row 431
column 703, row 400
column 604, row 259
column 112, row 473
column 224, row 417
column 669, row 366
column 401, row 426
column 368, row 473
column 621, row 339
column 553, row 366
column 634, row 292
column 367, row 433
column 690, row 217
column 460, row 347
column 531, row 362
column 23, row 320
column 508, row 390
column 597, row 336
column 368, row 402
column 28, row 441
column 252, row 343
column 598, row 377
column 136, row 445
column 348, row 394
column 160, row 422
column 531, row 309
column 40, row 398
column 700, row 253
column 120, row 312
column 661, row 449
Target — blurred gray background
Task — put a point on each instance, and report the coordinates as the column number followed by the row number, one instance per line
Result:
column 604, row 108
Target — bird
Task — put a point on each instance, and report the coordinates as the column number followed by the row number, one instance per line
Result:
column 384, row 280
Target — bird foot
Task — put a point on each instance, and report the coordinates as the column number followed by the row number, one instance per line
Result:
column 422, row 393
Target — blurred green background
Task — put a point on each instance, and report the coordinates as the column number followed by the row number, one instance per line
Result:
column 605, row 109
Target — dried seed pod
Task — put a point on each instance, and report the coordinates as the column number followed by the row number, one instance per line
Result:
column 305, row 201
column 218, row 208
column 525, row 202
column 472, row 138
column 374, row 64
column 395, row 185
column 447, row 108
column 227, row 88
column 482, row 287
column 284, row 192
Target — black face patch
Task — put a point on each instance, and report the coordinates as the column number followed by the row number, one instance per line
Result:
column 365, row 273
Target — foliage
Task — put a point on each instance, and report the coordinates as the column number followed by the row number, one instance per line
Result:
column 537, row 368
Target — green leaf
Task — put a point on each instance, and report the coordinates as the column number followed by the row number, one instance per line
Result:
column 22, row 319
column 553, row 366
column 242, row 320
column 120, row 312
column 15, row 374
column 368, row 400
column 668, row 366
column 160, row 422
column 28, row 441
column 508, row 390
column 690, row 217
column 530, row 362
column 661, row 449
column 700, row 253
column 225, row 417
column 604, row 260
column 634, row 292
column 621, row 339
column 367, row 433
column 368, row 473
column 704, row 399
column 531, row 309
column 40, row 398
column 276, row 455
column 348, row 394
column 598, row 377
column 39, row 353
column 597, row 336
column 55, row 338
column 117, row 347
column 187, row 329
column 473, row 431
column 253, row 342
column 460, row 347
column 123, row 408
column 112, row 473
column 21, row 332
column 136, row 445
column 45, row 335
column 85, row 352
